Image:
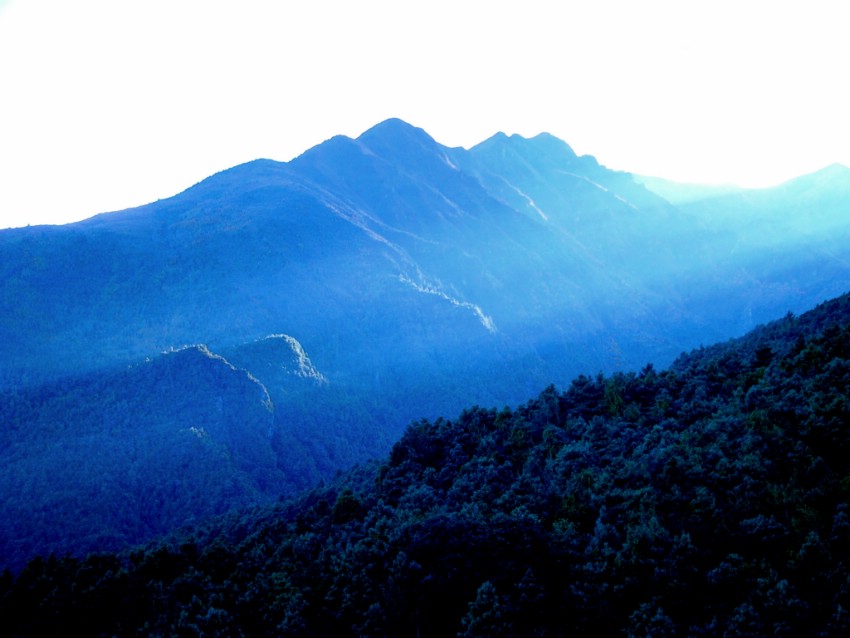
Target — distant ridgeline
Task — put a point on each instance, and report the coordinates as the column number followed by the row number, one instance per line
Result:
column 339, row 296
column 709, row 499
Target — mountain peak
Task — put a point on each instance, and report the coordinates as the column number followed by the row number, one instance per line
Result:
column 542, row 144
column 392, row 139
column 395, row 135
column 835, row 170
column 552, row 143
column 834, row 176
column 394, row 126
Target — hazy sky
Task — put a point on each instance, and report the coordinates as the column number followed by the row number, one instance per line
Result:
column 106, row 104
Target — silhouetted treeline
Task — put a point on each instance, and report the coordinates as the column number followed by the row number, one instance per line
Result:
column 709, row 499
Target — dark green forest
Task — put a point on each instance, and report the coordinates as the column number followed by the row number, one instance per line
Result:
column 707, row 499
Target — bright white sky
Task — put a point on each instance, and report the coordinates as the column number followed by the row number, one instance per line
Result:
column 106, row 104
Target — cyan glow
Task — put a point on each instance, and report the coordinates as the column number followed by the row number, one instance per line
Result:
column 107, row 105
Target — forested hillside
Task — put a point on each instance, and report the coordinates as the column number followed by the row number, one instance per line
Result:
column 707, row 499
column 364, row 284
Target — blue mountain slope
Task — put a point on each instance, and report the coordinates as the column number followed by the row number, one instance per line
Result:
column 419, row 278
column 792, row 239
column 514, row 245
column 813, row 205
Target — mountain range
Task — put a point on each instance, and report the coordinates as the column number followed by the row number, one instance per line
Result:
column 277, row 322
column 708, row 499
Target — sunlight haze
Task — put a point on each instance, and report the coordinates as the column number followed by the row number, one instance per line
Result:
column 107, row 105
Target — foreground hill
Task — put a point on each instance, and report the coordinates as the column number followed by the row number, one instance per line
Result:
column 115, row 458
column 705, row 500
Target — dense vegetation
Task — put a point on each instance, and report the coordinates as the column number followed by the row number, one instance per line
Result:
column 416, row 279
column 103, row 461
column 708, row 499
